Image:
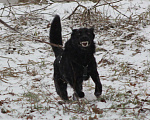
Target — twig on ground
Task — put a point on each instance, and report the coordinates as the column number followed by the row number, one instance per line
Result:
column 4, row 23
column 52, row 44
column 43, row 8
column 21, row 4
column 128, row 108
column 1, row 79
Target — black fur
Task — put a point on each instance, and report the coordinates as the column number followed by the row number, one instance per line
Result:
column 76, row 62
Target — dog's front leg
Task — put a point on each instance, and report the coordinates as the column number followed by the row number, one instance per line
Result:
column 77, row 86
column 98, row 85
column 78, row 89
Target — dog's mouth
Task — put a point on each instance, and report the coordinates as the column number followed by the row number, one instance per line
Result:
column 84, row 43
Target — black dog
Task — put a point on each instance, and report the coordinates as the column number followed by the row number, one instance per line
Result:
column 75, row 63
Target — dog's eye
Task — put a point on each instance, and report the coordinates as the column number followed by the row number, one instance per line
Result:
column 79, row 33
column 88, row 33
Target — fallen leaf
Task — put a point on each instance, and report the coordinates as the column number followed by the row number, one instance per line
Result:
column 97, row 110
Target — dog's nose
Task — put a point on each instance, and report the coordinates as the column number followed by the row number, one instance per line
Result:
column 84, row 38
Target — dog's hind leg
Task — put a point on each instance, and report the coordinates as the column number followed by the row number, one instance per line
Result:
column 60, row 85
column 61, row 88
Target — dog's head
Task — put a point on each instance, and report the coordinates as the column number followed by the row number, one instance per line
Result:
column 83, row 38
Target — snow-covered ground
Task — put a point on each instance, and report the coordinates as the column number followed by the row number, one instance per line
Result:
column 123, row 56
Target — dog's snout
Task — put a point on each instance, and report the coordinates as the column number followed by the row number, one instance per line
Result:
column 84, row 38
column 84, row 41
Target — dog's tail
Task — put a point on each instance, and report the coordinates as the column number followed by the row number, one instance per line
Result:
column 55, row 35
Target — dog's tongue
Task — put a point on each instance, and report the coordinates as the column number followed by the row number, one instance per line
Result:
column 84, row 43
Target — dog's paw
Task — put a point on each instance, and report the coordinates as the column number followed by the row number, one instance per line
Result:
column 76, row 96
column 97, row 94
column 98, row 90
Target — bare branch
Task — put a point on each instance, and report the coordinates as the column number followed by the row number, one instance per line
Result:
column 79, row 5
column 4, row 23
column 95, row 6
column 52, row 44
column 107, row 3
column 115, row 8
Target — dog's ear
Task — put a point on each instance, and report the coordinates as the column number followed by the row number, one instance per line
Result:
column 92, row 31
column 74, row 30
